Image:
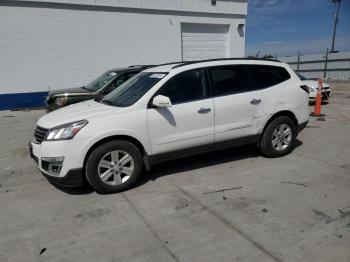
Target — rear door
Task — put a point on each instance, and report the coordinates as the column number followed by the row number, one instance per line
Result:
column 238, row 102
column 189, row 122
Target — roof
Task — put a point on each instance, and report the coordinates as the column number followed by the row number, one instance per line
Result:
column 210, row 62
column 134, row 68
column 163, row 67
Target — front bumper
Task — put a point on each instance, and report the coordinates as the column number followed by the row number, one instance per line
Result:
column 69, row 175
column 325, row 95
column 73, row 178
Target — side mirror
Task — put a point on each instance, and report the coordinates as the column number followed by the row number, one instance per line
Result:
column 161, row 101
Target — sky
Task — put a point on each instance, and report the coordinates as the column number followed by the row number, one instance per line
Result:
column 284, row 27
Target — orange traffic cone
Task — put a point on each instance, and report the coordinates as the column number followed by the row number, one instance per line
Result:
column 317, row 110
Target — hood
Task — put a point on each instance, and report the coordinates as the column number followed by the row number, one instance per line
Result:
column 74, row 90
column 80, row 111
column 313, row 83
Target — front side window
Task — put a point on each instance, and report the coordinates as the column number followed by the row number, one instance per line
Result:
column 227, row 80
column 185, row 87
column 267, row 76
column 133, row 89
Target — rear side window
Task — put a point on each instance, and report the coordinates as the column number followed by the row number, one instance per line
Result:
column 228, row 80
column 185, row 87
column 267, row 76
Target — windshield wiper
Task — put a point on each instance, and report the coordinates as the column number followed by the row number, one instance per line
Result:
column 107, row 102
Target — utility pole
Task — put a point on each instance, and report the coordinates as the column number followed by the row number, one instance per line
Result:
column 336, row 19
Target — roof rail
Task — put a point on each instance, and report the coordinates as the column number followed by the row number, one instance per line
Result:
column 170, row 63
column 223, row 59
column 141, row 66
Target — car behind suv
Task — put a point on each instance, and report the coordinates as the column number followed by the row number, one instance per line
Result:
column 171, row 111
column 97, row 88
column 312, row 85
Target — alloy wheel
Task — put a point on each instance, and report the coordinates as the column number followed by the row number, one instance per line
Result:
column 281, row 137
column 115, row 167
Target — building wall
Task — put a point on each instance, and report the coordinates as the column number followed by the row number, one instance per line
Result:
column 238, row 7
column 49, row 45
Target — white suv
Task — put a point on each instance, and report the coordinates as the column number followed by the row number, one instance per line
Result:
column 171, row 111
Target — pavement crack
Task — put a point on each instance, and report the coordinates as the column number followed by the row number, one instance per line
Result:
column 150, row 228
column 222, row 190
column 293, row 183
column 228, row 223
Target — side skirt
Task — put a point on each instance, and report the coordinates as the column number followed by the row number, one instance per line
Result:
column 154, row 159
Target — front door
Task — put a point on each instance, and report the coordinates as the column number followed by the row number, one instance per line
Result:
column 189, row 122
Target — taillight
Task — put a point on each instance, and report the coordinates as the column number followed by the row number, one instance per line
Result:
column 305, row 88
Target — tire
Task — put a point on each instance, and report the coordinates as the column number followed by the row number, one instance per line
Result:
column 114, row 167
column 268, row 145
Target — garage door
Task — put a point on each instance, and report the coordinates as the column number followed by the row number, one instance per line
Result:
column 204, row 41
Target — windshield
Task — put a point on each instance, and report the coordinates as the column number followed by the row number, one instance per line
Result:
column 132, row 90
column 302, row 77
column 101, row 81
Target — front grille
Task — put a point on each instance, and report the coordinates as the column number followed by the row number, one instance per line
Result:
column 39, row 134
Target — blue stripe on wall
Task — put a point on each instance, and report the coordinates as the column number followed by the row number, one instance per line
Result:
column 22, row 100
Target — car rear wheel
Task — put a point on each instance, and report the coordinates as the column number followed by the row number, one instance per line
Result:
column 279, row 137
column 114, row 167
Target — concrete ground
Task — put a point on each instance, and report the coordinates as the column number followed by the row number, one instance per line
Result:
column 232, row 205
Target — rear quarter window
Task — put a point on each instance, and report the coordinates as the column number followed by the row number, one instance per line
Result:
column 267, row 76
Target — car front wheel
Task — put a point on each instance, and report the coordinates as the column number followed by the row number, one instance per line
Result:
column 114, row 167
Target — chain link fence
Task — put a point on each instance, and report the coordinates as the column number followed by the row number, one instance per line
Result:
column 328, row 65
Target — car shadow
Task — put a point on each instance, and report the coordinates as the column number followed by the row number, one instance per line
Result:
column 86, row 189
column 202, row 161
column 184, row 165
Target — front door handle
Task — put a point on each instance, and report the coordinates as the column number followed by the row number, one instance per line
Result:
column 204, row 110
column 255, row 101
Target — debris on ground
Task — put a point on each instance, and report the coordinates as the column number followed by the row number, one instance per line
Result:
column 293, row 183
column 42, row 250
column 224, row 198
column 322, row 217
column 182, row 205
column 264, row 210
column 344, row 214
column 8, row 116
column 222, row 190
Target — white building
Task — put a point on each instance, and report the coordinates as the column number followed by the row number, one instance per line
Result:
column 66, row 43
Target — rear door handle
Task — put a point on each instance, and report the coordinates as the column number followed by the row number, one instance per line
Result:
column 204, row 110
column 255, row 101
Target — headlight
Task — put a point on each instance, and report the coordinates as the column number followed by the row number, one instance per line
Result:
column 65, row 132
column 311, row 89
column 61, row 101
